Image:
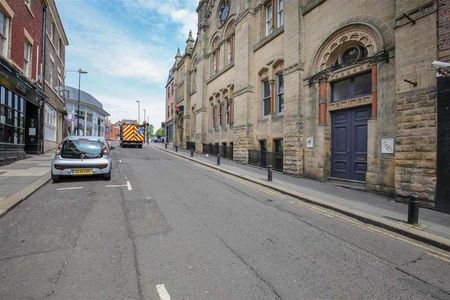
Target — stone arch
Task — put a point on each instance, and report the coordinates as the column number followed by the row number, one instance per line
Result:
column 367, row 31
column 215, row 42
column 229, row 28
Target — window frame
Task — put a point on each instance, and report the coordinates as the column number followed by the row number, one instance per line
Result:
column 280, row 13
column 5, row 34
column 280, row 94
column 352, row 87
column 266, row 99
column 12, row 117
column 28, row 58
column 268, row 21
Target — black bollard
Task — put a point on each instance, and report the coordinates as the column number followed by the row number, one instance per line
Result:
column 165, row 145
column 176, row 148
column 192, row 152
column 413, row 209
column 269, row 173
column 218, row 159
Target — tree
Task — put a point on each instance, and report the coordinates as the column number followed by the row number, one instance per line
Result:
column 150, row 130
column 160, row 132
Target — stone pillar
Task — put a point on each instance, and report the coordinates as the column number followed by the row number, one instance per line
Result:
column 374, row 91
column 272, row 96
column 323, row 100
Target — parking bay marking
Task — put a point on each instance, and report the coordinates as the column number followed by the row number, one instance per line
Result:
column 129, row 186
column 70, row 188
column 115, row 185
column 163, row 294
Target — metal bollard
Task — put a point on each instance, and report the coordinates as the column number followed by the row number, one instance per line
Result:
column 413, row 209
column 218, row 159
column 176, row 148
column 269, row 173
column 165, row 145
column 192, row 152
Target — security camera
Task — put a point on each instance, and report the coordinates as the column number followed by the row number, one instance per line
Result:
column 442, row 68
column 440, row 64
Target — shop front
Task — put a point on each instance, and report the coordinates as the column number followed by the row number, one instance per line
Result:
column 19, row 116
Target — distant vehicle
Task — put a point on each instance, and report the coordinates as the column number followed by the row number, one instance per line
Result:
column 82, row 156
column 131, row 134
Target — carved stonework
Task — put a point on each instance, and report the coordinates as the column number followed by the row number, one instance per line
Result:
column 357, row 34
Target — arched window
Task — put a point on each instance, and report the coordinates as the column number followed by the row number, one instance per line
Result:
column 229, row 33
column 215, row 62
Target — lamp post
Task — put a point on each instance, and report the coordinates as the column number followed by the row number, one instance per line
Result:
column 139, row 111
column 145, row 119
column 145, row 125
column 79, row 92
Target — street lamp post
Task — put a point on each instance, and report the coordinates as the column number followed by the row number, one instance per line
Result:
column 79, row 92
column 139, row 111
column 145, row 125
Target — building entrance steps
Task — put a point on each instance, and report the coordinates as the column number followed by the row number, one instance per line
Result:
column 434, row 226
column 20, row 179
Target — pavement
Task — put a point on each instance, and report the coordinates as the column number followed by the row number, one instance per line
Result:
column 167, row 228
column 433, row 227
column 22, row 178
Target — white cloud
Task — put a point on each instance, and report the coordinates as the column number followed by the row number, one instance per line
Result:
column 182, row 12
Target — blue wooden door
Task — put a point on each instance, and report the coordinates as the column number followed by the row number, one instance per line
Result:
column 349, row 143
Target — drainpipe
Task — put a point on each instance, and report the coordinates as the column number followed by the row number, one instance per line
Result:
column 44, row 63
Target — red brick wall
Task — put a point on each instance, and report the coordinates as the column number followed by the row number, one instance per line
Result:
column 32, row 22
column 444, row 29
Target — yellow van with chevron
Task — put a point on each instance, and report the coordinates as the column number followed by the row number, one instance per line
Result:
column 131, row 134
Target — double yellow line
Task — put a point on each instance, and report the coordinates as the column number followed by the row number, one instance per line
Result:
column 331, row 214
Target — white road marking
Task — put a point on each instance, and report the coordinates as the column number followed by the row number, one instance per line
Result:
column 129, row 186
column 120, row 161
column 163, row 294
column 115, row 185
column 70, row 188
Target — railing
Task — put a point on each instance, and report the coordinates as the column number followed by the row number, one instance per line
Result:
column 264, row 158
column 190, row 145
column 213, row 149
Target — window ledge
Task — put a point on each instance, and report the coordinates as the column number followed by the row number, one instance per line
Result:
column 268, row 38
column 220, row 72
column 29, row 10
column 264, row 119
column 277, row 116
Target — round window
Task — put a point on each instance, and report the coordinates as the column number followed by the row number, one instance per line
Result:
column 350, row 55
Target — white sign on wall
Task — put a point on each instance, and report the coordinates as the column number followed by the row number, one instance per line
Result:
column 387, row 145
column 309, row 142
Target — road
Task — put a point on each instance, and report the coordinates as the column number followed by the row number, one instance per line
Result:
column 166, row 227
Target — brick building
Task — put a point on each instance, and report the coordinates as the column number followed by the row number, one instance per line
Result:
column 24, row 107
column 20, row 68
column 348, row 96
column 54, row 69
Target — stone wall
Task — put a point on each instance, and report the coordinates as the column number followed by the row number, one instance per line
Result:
column 444, row 30
column 415, row 147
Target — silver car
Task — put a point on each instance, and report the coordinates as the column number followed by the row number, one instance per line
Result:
column 82, row 156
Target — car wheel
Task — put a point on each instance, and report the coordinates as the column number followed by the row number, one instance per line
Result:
column 107, row 176
column 55, row 178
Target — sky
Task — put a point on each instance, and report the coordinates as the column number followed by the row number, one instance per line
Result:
column 127, row 47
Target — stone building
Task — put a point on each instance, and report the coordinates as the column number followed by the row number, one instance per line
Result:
column 92, row 117
column 347, row 96
column 170, row 109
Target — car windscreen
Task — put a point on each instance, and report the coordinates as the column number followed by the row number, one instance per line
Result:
column 82, row 149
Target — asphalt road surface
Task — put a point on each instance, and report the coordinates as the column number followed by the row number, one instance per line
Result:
column 164, row 227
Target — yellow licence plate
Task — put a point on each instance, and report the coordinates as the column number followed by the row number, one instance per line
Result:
column 83, row 171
